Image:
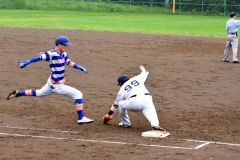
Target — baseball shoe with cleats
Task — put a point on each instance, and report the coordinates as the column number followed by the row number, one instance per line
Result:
column 85, row 120
column 12, row 94
column 124, row 125
column 158, row 128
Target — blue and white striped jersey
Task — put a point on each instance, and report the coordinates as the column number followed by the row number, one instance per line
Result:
column 57, row 63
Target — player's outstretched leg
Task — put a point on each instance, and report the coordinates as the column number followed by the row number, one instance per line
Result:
column 150, row 113
column 19, row 93
column 45, row 90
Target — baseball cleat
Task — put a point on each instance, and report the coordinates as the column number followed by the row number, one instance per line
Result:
column 158, row 128
column 85, row 120
column 124, row 125
column 12, row 95
column 235, row 62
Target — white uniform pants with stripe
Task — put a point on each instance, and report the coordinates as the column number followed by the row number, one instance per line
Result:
column 62, row 89
column 232, row 42
column 142, row 103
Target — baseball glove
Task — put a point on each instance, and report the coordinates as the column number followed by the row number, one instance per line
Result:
column 107, row 118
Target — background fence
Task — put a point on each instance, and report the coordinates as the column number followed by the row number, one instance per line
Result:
column 205, row 7
column 209, row 7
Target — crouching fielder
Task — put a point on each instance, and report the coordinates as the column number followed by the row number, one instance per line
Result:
column 57, row 59
column 133, row 96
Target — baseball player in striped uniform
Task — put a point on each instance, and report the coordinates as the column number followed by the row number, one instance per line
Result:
column 133, row 96
column 57, row 59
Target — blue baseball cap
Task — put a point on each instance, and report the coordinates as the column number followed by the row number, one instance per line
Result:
column 63, row 40
column 122, row 79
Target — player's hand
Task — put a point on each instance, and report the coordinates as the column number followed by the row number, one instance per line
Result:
column 23, row 64
column 142, row 68
column 83, row 69
column 107, row 118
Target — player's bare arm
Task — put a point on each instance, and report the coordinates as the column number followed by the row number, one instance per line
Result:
column 142, row 68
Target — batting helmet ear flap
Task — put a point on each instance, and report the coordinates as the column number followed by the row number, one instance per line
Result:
column 122, row 79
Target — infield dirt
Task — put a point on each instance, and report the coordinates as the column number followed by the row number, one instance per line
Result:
column 195, row 94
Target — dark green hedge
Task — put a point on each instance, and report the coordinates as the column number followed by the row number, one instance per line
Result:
column 208, row 7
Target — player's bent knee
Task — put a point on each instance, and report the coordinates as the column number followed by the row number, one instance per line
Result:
column 78, row 95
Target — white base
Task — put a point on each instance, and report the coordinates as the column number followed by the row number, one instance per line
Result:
column 155, row 134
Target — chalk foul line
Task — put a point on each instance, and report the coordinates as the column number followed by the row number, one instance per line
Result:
column 94, row 141
column 203, row 143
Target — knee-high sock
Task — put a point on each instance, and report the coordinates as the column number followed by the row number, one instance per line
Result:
column 29, row 92
column 79, row 108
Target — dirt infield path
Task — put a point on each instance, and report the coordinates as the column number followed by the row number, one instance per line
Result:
column 196, row 97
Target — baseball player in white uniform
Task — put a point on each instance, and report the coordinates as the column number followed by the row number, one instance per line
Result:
column 57, row 59
column 133, row 96
column 232, row 26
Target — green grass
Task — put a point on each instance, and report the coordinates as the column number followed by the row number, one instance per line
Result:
column 116, row 22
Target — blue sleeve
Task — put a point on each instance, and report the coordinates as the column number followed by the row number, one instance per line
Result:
column 34, row 59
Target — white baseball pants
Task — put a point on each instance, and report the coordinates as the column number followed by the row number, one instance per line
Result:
column 62, row 89
column 140, row 103
column 232, row 41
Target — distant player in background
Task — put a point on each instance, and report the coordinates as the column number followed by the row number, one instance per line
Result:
column 133, row 96
column 57, row 59
column 232, row 38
